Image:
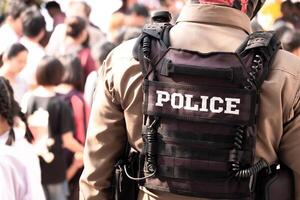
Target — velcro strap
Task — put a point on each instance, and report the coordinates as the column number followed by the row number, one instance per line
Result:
column 169, row 68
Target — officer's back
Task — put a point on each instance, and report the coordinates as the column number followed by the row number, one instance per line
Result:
column 117, row 112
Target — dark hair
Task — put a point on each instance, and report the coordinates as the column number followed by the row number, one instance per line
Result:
column 49, row 71
column 104, row 49
column 9, row 109
column 14, row 50
column 291, row 40
column 52, row 5
column 73, row 72
column 75, row 26
column 163, row 2
column 140, row 10
column 33, row 22
column 15, row 8
column 287, row 3
column 297, row 6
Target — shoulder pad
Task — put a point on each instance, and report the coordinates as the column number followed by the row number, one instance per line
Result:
column 155, row 30
column 262, row 39
column 159, row 31
column 263, row 45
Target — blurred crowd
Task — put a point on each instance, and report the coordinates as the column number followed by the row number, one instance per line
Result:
column 52, row 76
column 47, row 84
column 287, row 26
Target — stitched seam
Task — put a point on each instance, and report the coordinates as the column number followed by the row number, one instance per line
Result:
column 288, row 72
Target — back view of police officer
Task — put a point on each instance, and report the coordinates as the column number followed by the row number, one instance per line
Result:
column 207, row 27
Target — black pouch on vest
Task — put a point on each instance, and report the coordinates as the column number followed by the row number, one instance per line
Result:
column 123, row 187
column 278, row 185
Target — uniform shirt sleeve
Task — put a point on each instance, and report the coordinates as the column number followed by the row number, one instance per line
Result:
column 105, row 140
column 289, row 148
column 115, row 117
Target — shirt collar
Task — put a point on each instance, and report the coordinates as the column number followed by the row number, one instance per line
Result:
column 213, row 14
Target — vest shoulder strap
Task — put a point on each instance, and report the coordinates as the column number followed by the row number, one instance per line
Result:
column 263, row 45
column 155, row 32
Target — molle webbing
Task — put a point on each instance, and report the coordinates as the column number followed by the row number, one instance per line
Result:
column 200, row 114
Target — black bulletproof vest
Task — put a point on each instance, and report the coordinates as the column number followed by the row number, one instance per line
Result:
column 200, row 113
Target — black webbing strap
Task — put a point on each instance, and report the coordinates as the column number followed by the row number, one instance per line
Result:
column 195, row 136
column 178, row 172
column 135, row 50
column 219, row 73
column 189, row 152
column 166, row 36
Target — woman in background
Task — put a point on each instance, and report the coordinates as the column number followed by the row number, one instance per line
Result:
column 14, row 60
column 15, row 133
column 43, row 105
column 70, row 90
column 76, row 44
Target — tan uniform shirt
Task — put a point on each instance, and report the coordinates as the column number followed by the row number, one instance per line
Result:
column 117, row 110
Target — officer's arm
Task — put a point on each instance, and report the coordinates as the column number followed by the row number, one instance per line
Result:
column 290, row 144
column 105, row 141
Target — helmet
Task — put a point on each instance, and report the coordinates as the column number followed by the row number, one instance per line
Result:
column 250, row 7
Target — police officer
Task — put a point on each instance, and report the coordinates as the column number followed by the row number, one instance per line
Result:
column 203, row 26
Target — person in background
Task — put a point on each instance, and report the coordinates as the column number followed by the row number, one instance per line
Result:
column 291, row 42
column 15, row 133
column 116, row 23
column 91, row 81
column 75, row 44
column 50, row 118
column 70, row 90
column 14, row 178
column 290, row 14
column 297, row 14
column 55, row 12
column 14, row 60
column 81, row 9
column 34, row 30
column 134, row 21
column 137, row 16
column 172, row 6
column 12, row 30
column 287, row 10
column 281, row 27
